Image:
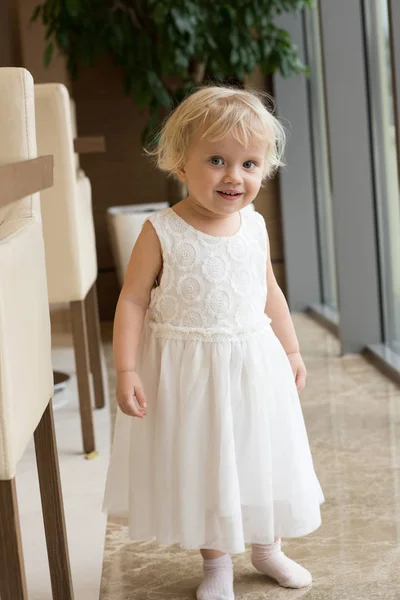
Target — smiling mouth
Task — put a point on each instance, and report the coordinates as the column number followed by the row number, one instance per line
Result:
column 230, row 195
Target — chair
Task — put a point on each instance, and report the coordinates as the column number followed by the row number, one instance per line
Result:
column 70, row 245
column 26, row 380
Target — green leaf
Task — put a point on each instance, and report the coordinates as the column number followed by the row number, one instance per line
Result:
column 235, row 57
column 162, row 96
column 36, row 13
column 231, row 12
column 48, row 54
column 50, row 31
column 182, row 60
column 249, row 17
column 285, row 67
column 141, row 94
column 62, row 39
column 284, row 34
column 160, row 13
column 234, row 38
column 184, row 25
column 210, row 41
column 72, row 7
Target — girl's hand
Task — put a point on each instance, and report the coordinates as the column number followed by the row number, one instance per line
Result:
column 299, row 370
column 129, row 387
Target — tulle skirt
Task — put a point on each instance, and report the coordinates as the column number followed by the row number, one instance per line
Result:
column 222, row 457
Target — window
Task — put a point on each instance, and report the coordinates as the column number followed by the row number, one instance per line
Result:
column 385, row 159
column 321, row 166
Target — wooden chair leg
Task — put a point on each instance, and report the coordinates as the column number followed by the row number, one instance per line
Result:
column 81, row 349
column 12, row 568
column 95, row 347
column 52, row 507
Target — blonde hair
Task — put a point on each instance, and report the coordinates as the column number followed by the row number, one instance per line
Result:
column 220, row 111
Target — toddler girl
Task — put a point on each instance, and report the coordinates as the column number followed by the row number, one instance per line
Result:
column 217, row 455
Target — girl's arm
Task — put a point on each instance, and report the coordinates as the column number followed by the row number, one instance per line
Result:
column 277, row 309
column 143, row 268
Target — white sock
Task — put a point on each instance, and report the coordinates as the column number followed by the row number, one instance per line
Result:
column 270, row 560
column 218, row 579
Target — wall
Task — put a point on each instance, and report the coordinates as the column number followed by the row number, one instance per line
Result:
column 10, row 54
column 123, row 175
column 33, row 45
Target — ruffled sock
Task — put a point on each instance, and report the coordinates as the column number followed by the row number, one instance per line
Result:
column 218, row 579
column 270, row 560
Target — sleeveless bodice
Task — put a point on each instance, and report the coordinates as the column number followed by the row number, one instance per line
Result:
column 210, row 282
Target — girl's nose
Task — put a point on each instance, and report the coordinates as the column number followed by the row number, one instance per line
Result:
column 233, row 176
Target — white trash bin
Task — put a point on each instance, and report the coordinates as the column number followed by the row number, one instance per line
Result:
column 125, row 224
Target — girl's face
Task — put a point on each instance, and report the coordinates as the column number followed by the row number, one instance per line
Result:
column 223, row 176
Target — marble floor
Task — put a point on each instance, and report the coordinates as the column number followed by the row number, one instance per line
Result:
column 352, row 414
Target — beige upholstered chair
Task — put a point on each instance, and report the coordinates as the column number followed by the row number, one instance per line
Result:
column 26, row 379
column 70, row 244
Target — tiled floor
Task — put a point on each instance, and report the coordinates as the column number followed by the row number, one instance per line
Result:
column 352, row 414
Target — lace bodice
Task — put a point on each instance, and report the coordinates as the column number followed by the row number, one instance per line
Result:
column 208, row 282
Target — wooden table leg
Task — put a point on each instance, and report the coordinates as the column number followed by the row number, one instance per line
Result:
column 95, row 347
column 79, row 334
column 12, row 568
column 53, row 507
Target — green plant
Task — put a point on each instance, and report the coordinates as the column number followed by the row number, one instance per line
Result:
column 165, row 47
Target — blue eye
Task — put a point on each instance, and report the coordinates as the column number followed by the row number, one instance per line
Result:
column 249, row 164
column 216, row 161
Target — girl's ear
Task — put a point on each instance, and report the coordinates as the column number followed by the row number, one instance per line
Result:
column 181, row 174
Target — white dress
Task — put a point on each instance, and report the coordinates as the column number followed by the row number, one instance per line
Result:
column 222, row 458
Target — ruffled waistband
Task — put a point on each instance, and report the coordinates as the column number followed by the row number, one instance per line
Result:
column 216, row 334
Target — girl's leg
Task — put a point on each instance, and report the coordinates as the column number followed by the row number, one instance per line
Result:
column 218, row 576
column 270, row 560
column 211, row 554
